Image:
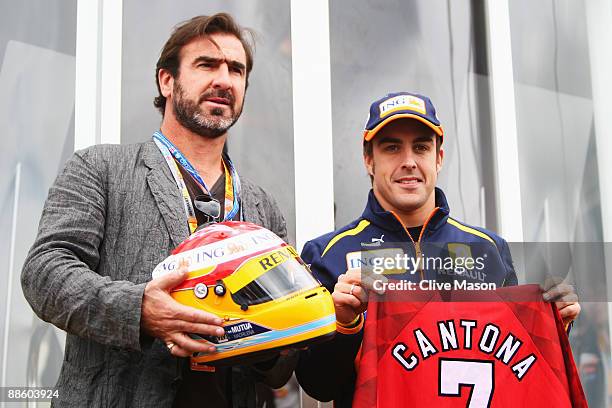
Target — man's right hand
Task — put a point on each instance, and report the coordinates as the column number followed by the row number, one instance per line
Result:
column 350, row 297
column 168, row 320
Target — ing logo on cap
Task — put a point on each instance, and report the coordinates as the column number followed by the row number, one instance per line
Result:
column 402, row 102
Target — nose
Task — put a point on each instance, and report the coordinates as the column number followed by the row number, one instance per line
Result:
column 222, row 78
column 409, row 161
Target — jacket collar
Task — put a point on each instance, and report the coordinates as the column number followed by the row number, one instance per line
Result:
column 152, row 157
column 385, row 220
column 165, row 192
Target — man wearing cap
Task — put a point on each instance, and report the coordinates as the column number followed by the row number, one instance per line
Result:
column 402, row 151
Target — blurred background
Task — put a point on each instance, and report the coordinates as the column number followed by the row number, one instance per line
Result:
column 522, row 89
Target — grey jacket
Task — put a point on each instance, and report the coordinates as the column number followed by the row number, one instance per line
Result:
column 111, row 216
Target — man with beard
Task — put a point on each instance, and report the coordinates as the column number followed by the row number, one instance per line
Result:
column 116, row 211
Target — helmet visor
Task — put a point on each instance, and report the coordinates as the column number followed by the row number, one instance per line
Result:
column 288, row 277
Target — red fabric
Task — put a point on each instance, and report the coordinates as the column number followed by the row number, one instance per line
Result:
column 551, row 380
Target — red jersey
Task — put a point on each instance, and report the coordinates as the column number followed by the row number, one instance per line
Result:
column 509, row 351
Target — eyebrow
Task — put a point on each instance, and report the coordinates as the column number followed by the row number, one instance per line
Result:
column 391, row 139
column 422, row 139
column 218, row 61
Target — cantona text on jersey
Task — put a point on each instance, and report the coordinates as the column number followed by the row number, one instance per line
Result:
column 489, row 343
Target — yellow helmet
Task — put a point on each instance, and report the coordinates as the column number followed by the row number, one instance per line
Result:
column 258, row 284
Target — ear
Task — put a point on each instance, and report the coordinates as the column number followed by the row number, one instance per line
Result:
column 368, row 161
column 439, row 160
column 166, row 82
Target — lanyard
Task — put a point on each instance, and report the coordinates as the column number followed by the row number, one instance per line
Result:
column 232, row 181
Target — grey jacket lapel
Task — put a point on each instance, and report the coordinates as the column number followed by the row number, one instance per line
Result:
column 252, row 210
column 166, row 193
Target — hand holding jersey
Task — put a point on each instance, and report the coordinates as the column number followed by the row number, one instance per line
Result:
column 350, row 298
column 351, row 294
column 565, row 298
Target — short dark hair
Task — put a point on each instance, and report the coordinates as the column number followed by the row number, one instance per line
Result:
column 368, row 149
column 200, row 26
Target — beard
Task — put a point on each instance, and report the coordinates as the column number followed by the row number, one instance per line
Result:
column 211, row 124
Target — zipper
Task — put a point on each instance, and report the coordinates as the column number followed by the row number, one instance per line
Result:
column 417, row 245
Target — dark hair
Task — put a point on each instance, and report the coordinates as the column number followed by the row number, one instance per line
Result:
column 200, row 26
column 368, row 150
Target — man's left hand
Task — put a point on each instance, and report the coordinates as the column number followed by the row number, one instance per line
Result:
column 566, row 300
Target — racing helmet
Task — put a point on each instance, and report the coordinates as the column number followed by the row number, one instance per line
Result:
column 257, row 284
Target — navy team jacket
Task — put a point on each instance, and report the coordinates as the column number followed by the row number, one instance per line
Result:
column 327, row 371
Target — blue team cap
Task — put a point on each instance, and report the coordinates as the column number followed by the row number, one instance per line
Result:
column 400, row 105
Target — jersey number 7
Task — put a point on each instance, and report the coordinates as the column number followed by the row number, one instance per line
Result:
column 476, row 374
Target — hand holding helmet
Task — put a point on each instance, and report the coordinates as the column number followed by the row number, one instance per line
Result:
column 165, row 318
column 263, row 292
